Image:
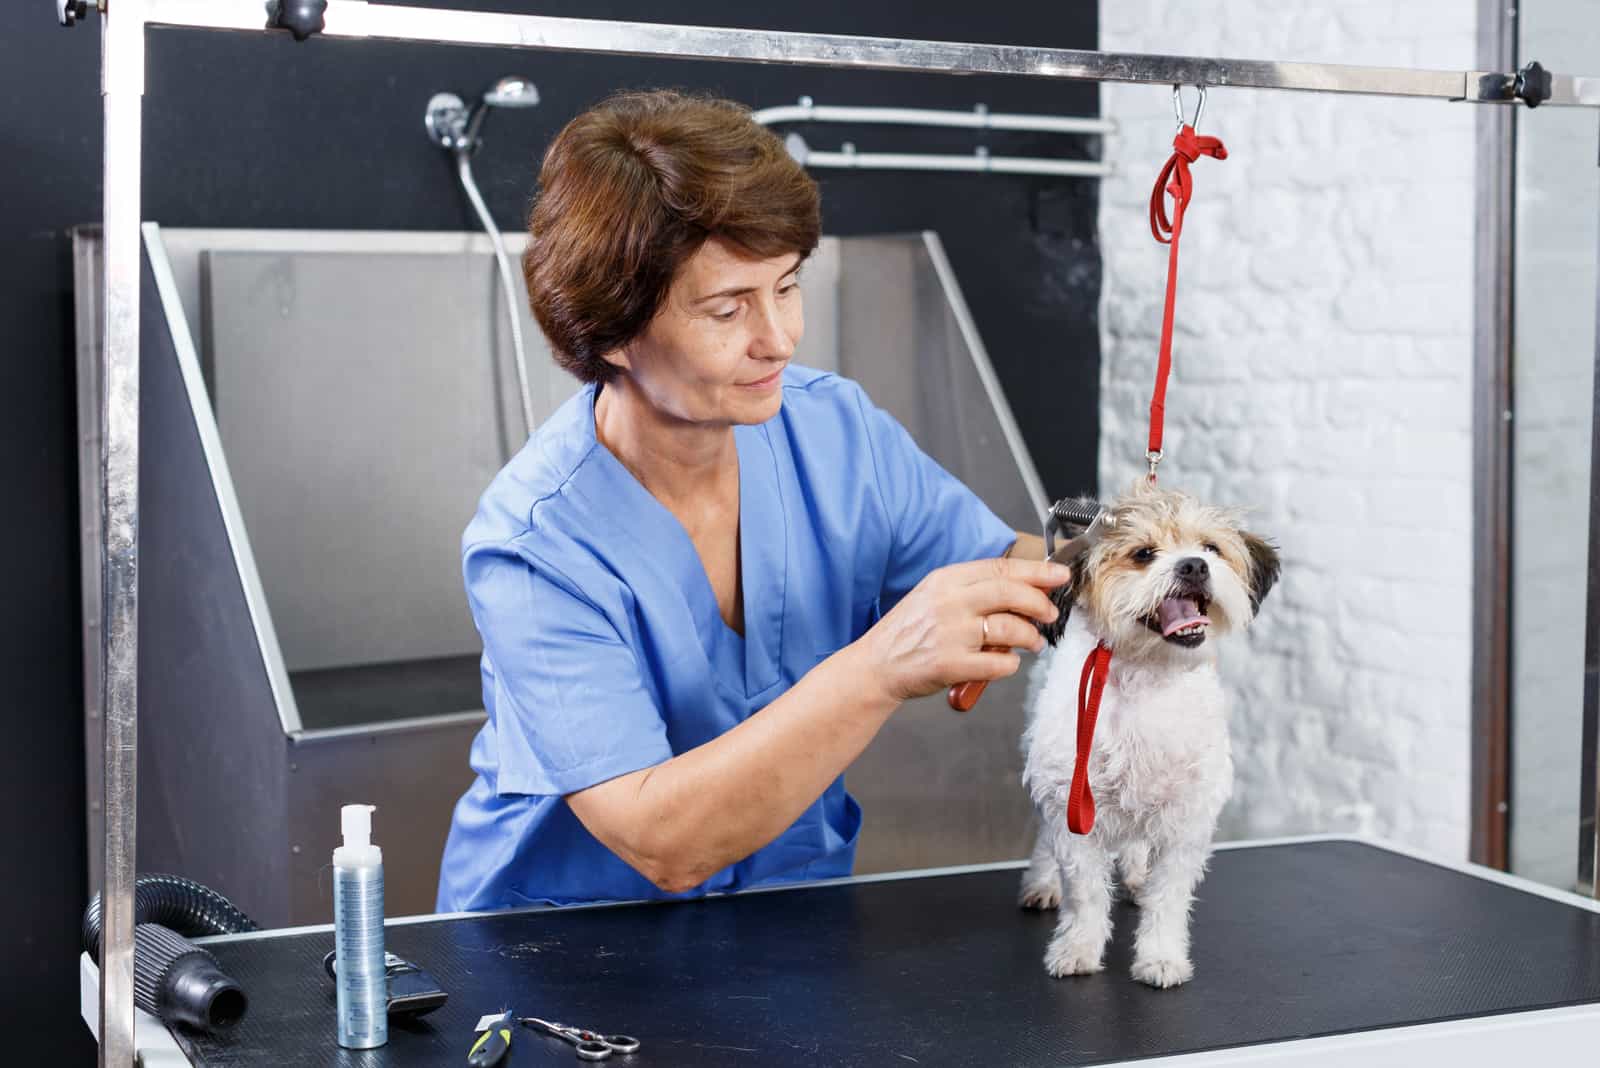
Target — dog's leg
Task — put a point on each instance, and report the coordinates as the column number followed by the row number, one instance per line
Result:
column 1133, row 859
column 1161, row 947
column 1084, row 927
column 1041, row 883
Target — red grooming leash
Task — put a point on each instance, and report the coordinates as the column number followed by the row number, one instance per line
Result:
column 1176, row 181
column 1080, row 802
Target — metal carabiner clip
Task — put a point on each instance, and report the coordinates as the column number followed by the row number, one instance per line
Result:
column 1177, row 106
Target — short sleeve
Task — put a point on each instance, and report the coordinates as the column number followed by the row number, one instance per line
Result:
column 935, row 519
column 571, row 707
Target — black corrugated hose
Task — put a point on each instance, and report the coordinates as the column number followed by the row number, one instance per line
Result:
column 173, row 978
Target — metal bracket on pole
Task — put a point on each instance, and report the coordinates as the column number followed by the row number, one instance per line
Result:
column 300, row 17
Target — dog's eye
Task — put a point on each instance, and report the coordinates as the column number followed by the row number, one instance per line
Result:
column 1144, row 555
column 1211, row 547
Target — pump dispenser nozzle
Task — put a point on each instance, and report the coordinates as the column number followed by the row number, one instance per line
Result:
column 356, row 822
column 358, row 851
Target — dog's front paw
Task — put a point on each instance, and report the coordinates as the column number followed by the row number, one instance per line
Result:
column 1042, row 892
column 1163, row 973
column 1074, row 956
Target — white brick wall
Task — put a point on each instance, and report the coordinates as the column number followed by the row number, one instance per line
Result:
column 1323, row 367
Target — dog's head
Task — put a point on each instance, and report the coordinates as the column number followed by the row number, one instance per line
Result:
column 1169, row 574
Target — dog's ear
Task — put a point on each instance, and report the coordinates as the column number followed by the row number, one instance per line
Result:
column 1063, row 597
column 1264, row 568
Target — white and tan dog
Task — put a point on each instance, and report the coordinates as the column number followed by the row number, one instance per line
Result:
column 1168, row 579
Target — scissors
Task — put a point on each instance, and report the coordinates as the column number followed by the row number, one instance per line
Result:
column 590, row 1046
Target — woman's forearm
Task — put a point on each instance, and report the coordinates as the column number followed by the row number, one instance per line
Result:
column 682, row 821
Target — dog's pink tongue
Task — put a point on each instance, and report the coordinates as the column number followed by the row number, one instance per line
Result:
column 1176, row 613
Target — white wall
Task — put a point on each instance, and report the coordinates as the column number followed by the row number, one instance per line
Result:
column 1323, row 373
column 1558, row 194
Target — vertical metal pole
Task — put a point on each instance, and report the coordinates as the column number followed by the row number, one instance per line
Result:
column 122, row 86
column 1492, row 453
column 1589, row 774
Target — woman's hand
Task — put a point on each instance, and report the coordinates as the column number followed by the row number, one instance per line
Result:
column 935, row 637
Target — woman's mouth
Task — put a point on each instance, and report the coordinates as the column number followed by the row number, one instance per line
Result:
column 764, row 383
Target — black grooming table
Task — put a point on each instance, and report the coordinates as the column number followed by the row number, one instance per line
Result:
column 1291, row 941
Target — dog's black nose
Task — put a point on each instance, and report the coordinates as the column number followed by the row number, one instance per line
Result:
column 1194, row 569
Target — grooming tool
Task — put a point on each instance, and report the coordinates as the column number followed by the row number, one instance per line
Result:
column 1091, row 521
column 1087, row 517
column 590, row 1045
column 495, row 1042
column 412, row 991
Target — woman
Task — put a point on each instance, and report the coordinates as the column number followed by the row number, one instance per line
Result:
column 710, row 578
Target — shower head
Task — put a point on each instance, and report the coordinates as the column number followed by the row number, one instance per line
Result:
column 450, row 125
column 512, row 91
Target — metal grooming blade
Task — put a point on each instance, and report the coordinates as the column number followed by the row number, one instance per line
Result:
column 1087, row 521
column 1084, row 517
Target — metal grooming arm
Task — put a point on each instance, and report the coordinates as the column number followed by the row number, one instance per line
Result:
column 123, row 55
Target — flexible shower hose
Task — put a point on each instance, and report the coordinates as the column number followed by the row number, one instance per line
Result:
column 508, row 288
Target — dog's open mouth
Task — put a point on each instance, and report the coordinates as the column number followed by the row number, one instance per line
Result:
column 1181, row 620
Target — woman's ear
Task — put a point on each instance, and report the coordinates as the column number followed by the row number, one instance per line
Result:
column 1064, row 596
column 619, row 359
column 1264, row 568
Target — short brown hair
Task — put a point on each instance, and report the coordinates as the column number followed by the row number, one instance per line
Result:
column 633, row 187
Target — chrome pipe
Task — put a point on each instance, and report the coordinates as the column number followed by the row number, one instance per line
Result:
column 979, row 118
column 979, row 162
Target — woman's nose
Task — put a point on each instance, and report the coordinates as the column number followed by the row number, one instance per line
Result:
column 779, row 330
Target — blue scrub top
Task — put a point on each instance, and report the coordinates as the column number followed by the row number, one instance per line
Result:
column 605, row 652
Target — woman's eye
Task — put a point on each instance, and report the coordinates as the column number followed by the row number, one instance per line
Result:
column 1211, row 547
column 725, row 317
column 1144, row 555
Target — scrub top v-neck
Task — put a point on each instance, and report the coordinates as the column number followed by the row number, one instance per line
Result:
column 605, row 651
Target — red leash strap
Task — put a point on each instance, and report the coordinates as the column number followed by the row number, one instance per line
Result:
column 1176, row 181
column 1080, row 802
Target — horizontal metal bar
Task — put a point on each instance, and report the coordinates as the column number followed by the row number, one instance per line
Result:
column 978, row 118
column 357, row 18
column 443, row 720
column 977, row 164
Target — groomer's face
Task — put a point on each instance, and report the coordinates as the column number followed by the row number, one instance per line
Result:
column 716, row 350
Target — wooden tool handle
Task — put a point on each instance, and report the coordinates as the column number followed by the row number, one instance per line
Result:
column 963, row 695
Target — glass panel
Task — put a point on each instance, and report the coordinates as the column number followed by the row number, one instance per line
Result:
column 1558, row 197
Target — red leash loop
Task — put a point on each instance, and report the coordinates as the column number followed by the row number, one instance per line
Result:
column 1080, row 802
column 1176, row 181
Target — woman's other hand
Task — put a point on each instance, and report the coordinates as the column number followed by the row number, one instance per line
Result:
column 937, row 635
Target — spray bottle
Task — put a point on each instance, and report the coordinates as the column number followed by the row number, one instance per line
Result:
column 362, row 994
